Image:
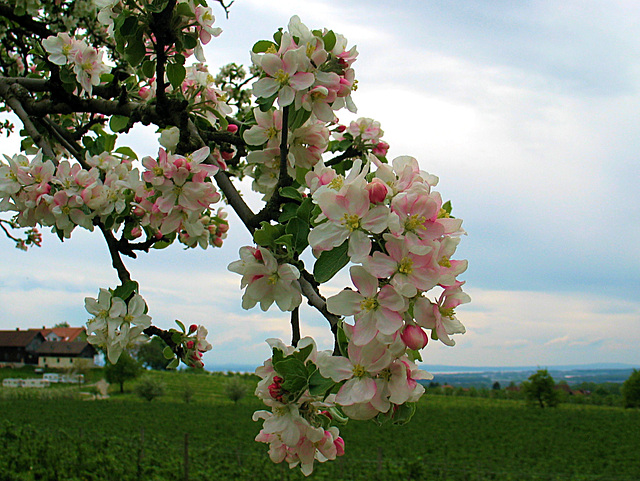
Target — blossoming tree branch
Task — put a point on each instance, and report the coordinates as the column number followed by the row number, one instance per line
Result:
column 78, row 74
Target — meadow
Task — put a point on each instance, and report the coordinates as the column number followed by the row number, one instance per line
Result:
column 450, row 438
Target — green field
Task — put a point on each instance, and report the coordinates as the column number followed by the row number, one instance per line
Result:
column 450, row 438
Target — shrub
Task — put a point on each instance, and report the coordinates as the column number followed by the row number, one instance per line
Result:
column 149, row 388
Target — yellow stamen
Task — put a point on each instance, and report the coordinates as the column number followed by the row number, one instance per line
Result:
column 414, row 222
column 359, row 371
column 369, row 304
column 444, row 262
column 351, row 221
column 405, row 266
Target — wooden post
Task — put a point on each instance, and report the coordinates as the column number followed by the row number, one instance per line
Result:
column 140, row 454
column 186, row 456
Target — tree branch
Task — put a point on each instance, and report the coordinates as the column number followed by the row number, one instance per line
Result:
column 13, row 101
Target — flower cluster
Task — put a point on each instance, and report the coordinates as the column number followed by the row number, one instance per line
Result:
column 309, row 69
column 403, row 237
column 297, row 428
column 176, row 195
column 364, row 135
column 266, row 280
column 86, row 61
column 306, row 146
column 173, row 196
column 116, row 324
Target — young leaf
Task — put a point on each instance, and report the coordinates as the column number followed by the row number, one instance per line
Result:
column 118, row 123
column 330, row 262
column 126, row 290
column 329, row 40
column 318, row 384
column 299, row 229
column 262, row 46
column 291, row 193
column 176, row 74
column 168, row 353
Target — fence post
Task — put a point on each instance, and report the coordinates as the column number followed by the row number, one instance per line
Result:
column 140, row 454
column 186, row 456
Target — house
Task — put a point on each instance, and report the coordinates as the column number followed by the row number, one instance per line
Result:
column 65, row 354
column 62, row 333
column 58, row 347
column 19, row 347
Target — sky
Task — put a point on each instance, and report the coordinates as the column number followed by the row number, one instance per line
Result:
column 528, row 112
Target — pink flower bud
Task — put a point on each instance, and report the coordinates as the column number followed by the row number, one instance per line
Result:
column 217, row 242
column 341, row 128
column 190, row 344
column 227, row 155
column 223, row 228
column 193, row 328
column 339, row 444
column 414, row 337
column 233, row 128
column 380, row 149
column 136, row 232
column 377, row 190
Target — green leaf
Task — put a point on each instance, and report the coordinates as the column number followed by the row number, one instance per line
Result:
column 173, row 364
column 298, row 119
column 126, row 290
column 285, row 240
column 129, row 27
column 277, row 356
column 329, row 40
column 278, row 36
column 266, row 103
column 181, row 326
column 128, row 151
column 289, row 211
column 299, row 230
column 157, row 6
column 135, row 50
column 189, row 41
column 294, row 373
column 303, row 354
column 176, row 74
column 291, row 193
column 330, row 262
column 318, row 384
column 149, row 68
column 184, row 10
column 168, row 353
column 176, row 337
column 266, row 236
column 262, row 46
column 118, row 123
column 343, row 341
column 67, row 76
column 403, row 413
column 447, row 207
column 305, row 210
column 414, row 355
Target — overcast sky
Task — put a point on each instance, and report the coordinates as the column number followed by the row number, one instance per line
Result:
column 529, row 112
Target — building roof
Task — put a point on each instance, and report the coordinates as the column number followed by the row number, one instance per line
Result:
column 18, row 338
column 66, row 333
column 63, row 348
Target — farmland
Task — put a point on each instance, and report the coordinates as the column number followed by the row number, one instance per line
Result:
column 450, row 438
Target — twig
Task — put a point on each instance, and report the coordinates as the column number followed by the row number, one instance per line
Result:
column 295, row 326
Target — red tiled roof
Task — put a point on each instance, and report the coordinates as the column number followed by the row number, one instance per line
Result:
column 66, row 333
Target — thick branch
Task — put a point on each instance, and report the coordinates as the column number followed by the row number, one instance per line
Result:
column 25, row 21
column 12, row 100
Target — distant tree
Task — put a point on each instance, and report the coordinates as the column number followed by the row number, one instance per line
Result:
column 125, row 369
column 62, row 324
column 496, row 386
column 540, row 389
column 235, row 389
column 150, row 388
column 151, row 355
column 631, row 390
